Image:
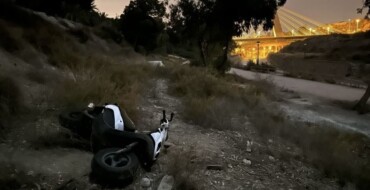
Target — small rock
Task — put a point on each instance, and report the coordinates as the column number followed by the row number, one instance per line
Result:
column 230, row 166
column 271, row 141
column 214, row 167
column 167, row 183
column 247, row 162
column 145, row 182
column 271, row 158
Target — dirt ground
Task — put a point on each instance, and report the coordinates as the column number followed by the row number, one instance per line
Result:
column 39, row 154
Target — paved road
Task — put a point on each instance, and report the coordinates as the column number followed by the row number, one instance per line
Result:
column 323, row 90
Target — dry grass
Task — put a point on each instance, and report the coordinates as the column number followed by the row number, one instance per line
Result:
column 183, row 166
column 214, row 102
column 9, row 37
column 10, row 96
column 339, row 153
column 105, row 82
column 209, row 101
column 11, row 102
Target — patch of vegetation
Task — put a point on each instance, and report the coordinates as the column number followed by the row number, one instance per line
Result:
column 340, row 153
column 214, row 101
column 183, row 167
column 11, row 101
column 9, row 37
column 103, row 83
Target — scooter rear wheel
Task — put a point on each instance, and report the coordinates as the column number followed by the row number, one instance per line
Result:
column 109, row 167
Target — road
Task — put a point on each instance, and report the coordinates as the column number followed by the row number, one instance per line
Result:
column 319, row 89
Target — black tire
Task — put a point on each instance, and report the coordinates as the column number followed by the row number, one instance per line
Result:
column 108, row 168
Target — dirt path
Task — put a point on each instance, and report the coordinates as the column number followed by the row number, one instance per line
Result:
column 314, row 101
column 323, row 90
column 273, row 163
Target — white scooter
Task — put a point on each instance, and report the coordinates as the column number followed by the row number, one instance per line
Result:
column 119, row 152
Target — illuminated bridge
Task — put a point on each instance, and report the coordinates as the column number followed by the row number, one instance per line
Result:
column 289, row 27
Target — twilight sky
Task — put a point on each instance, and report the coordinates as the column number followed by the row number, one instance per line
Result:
column 324, row 11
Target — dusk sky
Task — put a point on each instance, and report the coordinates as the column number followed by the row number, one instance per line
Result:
column 324, row 11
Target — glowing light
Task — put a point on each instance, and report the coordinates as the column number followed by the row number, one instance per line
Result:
column 357, row 22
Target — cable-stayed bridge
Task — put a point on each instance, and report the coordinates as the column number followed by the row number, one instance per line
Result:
column 289, row 27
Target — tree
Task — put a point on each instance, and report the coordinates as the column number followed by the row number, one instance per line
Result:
column 364, row 74
column 366, row 5
column 188, row 19
column 142, row 23
column 364, row 70
column 217, row 21
column 233, row 17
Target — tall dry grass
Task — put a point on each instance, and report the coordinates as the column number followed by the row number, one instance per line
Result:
column 212, row 101
column 336, row 152
column 101, row 81
column 209, row 100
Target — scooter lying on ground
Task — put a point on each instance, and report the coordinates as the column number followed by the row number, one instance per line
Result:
column 118, row 152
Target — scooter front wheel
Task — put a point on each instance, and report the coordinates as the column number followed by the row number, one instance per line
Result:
column 110, row 167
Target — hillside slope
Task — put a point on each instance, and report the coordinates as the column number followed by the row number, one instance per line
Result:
column 326, row 58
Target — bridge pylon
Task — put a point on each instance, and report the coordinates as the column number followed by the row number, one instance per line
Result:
column 277, row 29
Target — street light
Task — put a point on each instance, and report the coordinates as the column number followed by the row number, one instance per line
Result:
column 258, row 52
column 292, row 32
column 349, row 25
column 328, row 28
column 357, row 22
